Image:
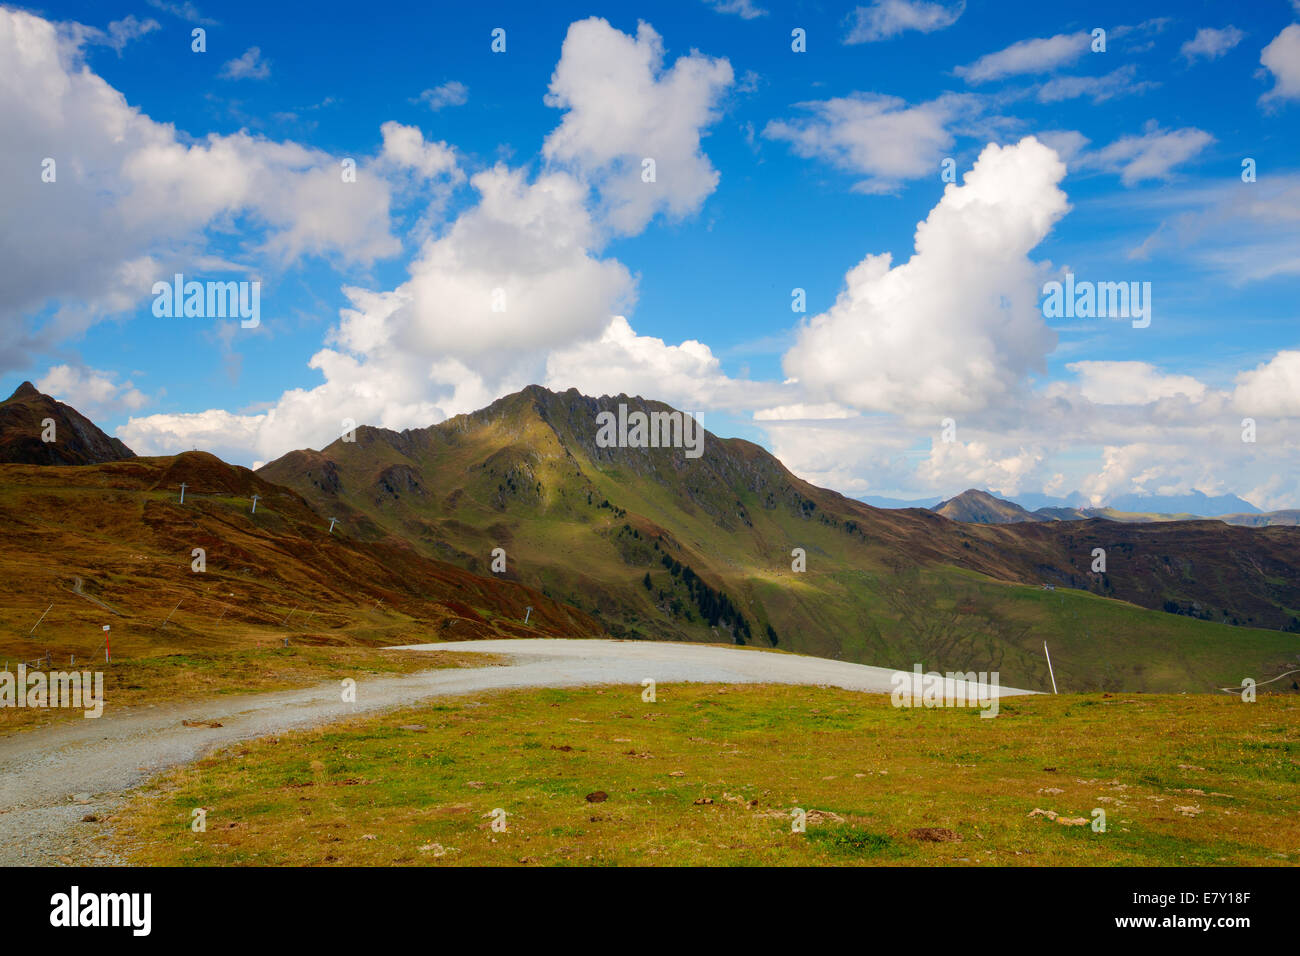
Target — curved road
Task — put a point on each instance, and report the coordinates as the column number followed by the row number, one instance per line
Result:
column 51, row 778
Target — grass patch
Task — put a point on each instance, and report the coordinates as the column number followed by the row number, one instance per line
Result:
column 711, row 775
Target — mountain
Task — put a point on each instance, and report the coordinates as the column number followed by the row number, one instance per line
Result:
column 980, row 507
column 1075, row 507
column 731, row 546
column 28, row 418
column 1264, row 519
column 113, row 544
column 1195, row 503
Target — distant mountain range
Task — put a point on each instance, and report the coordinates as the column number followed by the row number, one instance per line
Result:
column 1075, row 505
column 459, row 528
column 984, row 507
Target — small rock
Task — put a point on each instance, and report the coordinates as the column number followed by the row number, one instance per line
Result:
column 598, row 796
column 90, row 818
column 703, row 801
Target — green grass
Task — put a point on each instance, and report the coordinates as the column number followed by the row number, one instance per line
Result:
column 711, row 775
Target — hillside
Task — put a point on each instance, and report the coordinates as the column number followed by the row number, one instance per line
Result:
column 112, row 544
column 28, row 418
column 655, row 544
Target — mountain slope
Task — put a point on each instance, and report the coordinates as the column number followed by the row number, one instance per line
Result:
column 28, row 417
column 113, row 544
column 657, row 544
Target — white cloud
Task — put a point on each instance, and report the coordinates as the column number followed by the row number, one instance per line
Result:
column 957, row 326
column 1282, row 58
column 687, row 375
column 514, row 291
column 250, row 65
column 434, row 346
column 876, row 135
column 1272, row 388
column 745, row 9
column 622, row 107
column 1210, row 43
column 1040, row 55
column 884, row 19
column 185, row 11
column 1132, row 383
column 119, row 33
column 799, row 411
column 451, row 93
column 1069, row 144
column 1151, row 155
column 406, row 148
column 976, row 464
column 132, row 199
column 1119, row 82
column 90, row 391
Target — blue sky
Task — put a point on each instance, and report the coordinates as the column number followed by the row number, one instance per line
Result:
column 777, row 170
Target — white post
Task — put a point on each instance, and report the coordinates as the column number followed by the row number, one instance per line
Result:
column 1049, row 667
column 182, row 492
column 169, row 616
column 527, row 612
column 332, row 520
column 255, row 497
column 38, row 621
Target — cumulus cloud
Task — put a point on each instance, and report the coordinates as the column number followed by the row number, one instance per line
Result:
column 1039, row 55
column 1272, row 388
column 875, row 135
column 688, row 374
column 957, row 326
column 131, row 199
column 1282, row 59
column 405, row 148
column 515, row 290
column 91, row 391
column 884, row 19
column 1210, row 43
column 623, row 108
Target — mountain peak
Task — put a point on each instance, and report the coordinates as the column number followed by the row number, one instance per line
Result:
column 36, row 429
column 23, row 391
column 982, row 507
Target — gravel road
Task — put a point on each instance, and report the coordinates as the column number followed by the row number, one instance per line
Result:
column 52, row 779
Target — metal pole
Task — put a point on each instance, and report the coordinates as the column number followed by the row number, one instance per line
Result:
column 1049, row 667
